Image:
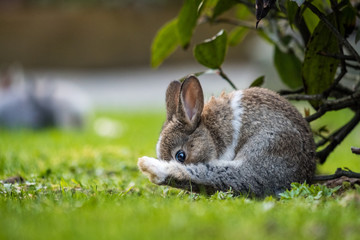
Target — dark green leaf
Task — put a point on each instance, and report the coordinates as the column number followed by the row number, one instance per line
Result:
column 222, row 6
column 288, row 67
column 348, row 19
column 291, row 8
column 165, row 43
column 211, row 53
column 187, row 20
column 237, row 35
column 318, row 71
column 258, row 82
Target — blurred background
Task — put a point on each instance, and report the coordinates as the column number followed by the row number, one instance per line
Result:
column 63, row 60
column 103, row 47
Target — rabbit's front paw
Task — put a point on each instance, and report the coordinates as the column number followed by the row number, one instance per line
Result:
column 155, row 169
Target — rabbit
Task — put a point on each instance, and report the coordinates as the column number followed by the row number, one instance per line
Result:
column 252, row 142
column 39, row 103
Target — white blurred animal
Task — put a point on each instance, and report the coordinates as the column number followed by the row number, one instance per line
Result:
column 40, row 103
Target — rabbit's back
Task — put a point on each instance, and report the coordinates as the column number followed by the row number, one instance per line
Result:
column 272, row 120
column 275, row 140
column 266, row 134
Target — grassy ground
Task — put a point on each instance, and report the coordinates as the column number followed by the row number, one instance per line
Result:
column 85, row 185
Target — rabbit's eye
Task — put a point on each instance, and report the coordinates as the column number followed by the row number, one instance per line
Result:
column 180, row 156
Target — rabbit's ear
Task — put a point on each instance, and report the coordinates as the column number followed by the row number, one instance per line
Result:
column 172, row 99
column 191, row 102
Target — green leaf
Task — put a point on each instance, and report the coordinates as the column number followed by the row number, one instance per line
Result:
column 348, row 19
column 291, row 8
column 76, row 182
column 311, row 20
column 318, row 71
column 211, row 53
column 237, row 35
column 208, row 7
column 258, row 82
column 165, row 42
column 223, row 6
column 210, row 3
column 242, row 12
column 288, row 67
column 187, row 20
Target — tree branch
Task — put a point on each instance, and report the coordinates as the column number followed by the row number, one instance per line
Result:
column 343, row 71
column 342, row 40
column 224, row 76
column 355, row 150
column 339, row 173
column 288, row 92
column 299, row 97
column 339, row 137
column 338, row 56
column 344, row 90
column 332, row 136
column 357, row 67
column 327, row 139
column 333, row 105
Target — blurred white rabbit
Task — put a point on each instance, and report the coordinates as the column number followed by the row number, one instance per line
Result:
column 40, row 103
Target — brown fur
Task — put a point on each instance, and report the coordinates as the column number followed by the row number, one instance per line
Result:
column 250, row 141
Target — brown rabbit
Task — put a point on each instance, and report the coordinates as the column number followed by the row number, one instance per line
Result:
column 251, row 141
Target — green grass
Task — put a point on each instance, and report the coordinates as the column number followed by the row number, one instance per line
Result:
column 80, row 185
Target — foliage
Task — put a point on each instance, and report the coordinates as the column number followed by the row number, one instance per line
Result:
column 316, row 66
column 211, row 53
column 258, row 82
column 313, row 192
column 164, row 43
column 312, row 49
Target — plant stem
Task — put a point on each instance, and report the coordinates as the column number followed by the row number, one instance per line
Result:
column 339, row 173
column 298, row 97
column 339, row 137
column 288, row 92
column 327, row 92
column 355, row 150
column 338, row 56
column 332, row 105
column 224, row 76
